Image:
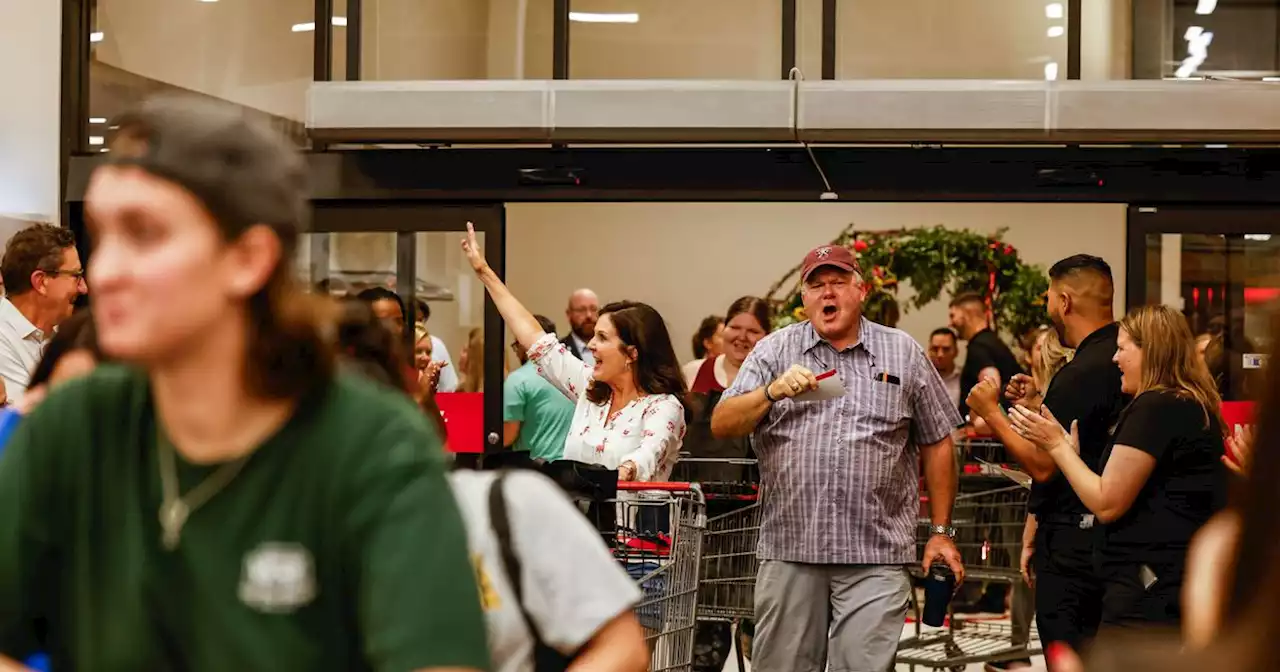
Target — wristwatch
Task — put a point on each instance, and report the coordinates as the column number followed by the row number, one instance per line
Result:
column 945, row 530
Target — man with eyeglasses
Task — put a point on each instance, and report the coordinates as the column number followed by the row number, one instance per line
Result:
column 43, row 278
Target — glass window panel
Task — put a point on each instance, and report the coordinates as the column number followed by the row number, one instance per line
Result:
column 255, row 54
column 1226, row 285
column 957, row 39
column 675, row 39
column 455, row 39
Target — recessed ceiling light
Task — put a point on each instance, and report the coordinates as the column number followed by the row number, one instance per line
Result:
column 1053, row 10
column 309, row 26
column 96, row 36
column 97, row 120
column 1056, row 31
column 611, row 17
column 96, row 140
column 1206, row 7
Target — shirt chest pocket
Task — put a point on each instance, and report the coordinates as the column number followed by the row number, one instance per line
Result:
column 884, row 403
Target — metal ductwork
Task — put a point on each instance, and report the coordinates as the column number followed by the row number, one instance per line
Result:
column 844, row 111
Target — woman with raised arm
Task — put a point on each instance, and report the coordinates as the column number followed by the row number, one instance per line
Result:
column 630, row 413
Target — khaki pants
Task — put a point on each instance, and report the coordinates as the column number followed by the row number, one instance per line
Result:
column 841, row 618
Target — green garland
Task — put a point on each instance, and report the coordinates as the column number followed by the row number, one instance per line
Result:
column 933, row 260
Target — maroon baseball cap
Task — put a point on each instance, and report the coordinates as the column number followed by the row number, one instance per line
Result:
column 835, row 256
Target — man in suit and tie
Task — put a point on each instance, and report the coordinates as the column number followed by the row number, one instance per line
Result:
column 584, row 308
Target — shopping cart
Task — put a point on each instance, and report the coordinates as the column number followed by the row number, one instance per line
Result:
column 726, row 594
column 989, row 514
column 657, row 536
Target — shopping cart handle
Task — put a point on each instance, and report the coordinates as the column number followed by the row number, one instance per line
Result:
column 655, row 485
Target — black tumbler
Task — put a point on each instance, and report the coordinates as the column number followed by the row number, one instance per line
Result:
column 939, row 586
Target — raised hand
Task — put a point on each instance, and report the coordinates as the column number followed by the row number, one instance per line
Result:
column 471, row 248
column 429, row 379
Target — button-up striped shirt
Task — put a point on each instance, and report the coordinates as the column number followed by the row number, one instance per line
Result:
column 839, row 478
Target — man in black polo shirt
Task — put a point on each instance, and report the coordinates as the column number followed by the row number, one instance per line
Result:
column 1087, row 390
column 986, row 356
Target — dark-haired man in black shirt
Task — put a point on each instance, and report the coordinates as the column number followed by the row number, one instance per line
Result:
column 1087, row 390
column 986, row 356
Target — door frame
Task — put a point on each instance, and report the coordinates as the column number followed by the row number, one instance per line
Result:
column 406, row 219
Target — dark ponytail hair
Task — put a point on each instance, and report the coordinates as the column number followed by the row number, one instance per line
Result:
column 656, row 368
column 75, row 333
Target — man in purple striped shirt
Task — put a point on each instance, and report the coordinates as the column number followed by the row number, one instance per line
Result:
column 839, row 476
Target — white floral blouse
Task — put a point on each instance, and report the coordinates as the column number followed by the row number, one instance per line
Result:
column 647, row 432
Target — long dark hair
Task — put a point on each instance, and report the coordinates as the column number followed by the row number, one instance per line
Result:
column 656, row 367
column 75, row 333
column 366, row 344
column 753, row 305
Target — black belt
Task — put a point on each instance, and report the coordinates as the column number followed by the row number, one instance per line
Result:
column 1083, row 521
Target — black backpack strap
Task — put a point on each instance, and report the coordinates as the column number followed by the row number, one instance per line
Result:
column 546, row 658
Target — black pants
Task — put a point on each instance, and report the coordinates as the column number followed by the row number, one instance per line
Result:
column 1142, row 595
column 1068, row 588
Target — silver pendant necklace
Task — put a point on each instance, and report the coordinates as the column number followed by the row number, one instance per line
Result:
column 175, row 509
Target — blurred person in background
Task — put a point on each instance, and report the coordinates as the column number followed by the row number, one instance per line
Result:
column 439, row 351
column 1068, row 589
column 43, row 278
column 535, row 415
column 986, row 356
column 72, row 352
column 583, row 311
column 389, row 307
column 943, row 350
column 746, row 322
column 707, row 342
column 553, row 595
column 472, row 362
column 630, row 414
column 1046, row 356
column 250, row 525
column 1160, row 479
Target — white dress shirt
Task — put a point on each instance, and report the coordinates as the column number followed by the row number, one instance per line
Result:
column 587, row 358
column 21, row 347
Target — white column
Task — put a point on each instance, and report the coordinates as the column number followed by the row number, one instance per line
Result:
column 30, row 49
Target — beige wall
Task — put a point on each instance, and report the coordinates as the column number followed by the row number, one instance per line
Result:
column 31, row 51
column 693, row 259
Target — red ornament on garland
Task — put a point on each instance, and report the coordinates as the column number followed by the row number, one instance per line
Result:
column 859, row 246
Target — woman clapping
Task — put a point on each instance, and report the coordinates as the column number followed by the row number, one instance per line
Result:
column 1162, row 477
column 629, row 414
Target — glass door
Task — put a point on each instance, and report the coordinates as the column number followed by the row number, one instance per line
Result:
column 1221, row 267
column 415, row 251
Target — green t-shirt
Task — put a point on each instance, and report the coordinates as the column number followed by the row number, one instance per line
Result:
column 544, row 413
column 337, row 547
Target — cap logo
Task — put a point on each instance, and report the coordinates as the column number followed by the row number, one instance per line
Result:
column 823, row 252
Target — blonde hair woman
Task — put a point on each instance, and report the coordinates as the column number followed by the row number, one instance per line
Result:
column 1161, row 478
column 1048, row 355
column 473, row 363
